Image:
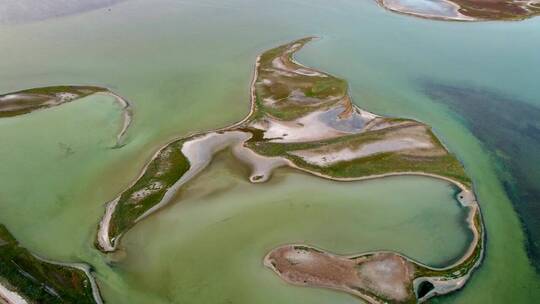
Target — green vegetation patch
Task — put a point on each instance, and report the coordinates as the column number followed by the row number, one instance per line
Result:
column 79, row 90
column 39, row 281
column 319, row 91
column 162, row 172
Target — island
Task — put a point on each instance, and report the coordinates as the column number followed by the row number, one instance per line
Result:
column 27, row 278
column 305, row 119
column 31, row 100
column 465, row 10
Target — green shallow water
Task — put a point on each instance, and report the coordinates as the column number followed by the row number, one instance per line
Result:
column 208, row 247
column 186, row 67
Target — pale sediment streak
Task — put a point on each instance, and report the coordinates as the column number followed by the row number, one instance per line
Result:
column 348, row 154
column 261, row 166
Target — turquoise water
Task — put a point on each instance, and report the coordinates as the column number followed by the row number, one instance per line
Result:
column 186, row 66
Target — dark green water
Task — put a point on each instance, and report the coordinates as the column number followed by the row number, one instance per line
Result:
column 510, row 130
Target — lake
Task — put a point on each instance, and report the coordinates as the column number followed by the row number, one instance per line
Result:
column 187, row 65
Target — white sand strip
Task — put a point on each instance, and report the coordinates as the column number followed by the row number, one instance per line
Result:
column 327, row 158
